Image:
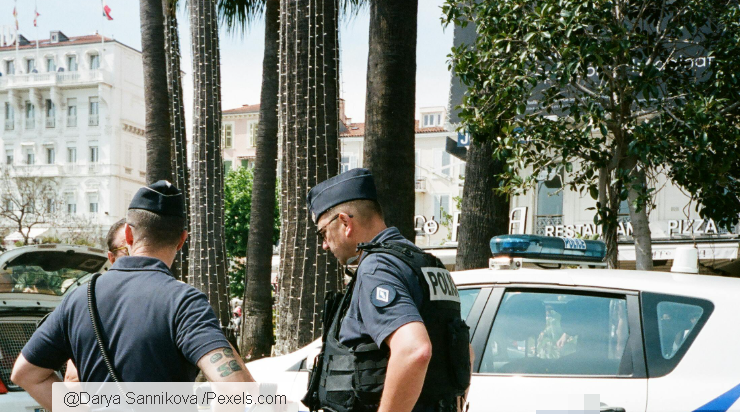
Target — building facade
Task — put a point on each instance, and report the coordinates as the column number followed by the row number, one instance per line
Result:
column 73, row 108
column 239, row 136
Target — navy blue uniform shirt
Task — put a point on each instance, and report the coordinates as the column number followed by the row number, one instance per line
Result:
column 386, row 296
column 155, row 327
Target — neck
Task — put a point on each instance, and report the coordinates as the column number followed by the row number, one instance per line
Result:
column 373, row 230
column 165, row 255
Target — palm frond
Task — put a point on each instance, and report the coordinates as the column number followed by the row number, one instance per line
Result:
column 352, row 8
column 237, row 15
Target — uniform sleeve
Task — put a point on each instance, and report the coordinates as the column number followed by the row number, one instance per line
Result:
column 49, row 347
column 388, row 298
column 197, row 329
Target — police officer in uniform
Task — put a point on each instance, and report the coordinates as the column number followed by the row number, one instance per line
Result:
column 395, row 341
column 154, row 328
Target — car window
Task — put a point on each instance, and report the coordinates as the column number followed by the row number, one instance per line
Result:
column 548, row 333
column 467, row 299
column 670, row 324
column 675, row 323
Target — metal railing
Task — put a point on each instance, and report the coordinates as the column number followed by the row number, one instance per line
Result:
column 30, row 123
column 420, row 184
column 541, row 222
column 93, row 120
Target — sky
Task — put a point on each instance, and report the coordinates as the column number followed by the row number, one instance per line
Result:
column 241, row 54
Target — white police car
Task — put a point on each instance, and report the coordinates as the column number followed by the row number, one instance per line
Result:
column 583, row 338
column 33, row 281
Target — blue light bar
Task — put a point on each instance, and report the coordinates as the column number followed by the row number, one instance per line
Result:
column 550, row 248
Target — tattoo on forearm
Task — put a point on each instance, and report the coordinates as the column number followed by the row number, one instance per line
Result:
column 229, row 366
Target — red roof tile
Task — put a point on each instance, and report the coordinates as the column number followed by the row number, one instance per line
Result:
column 358, row 130
column 246, row 109
column 74, row 40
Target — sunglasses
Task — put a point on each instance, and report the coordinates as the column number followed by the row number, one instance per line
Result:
column 322, row 231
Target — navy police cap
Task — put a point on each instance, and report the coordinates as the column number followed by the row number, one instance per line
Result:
column 161, row 197
column 356, row 184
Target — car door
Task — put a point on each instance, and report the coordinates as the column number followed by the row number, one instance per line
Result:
column 550, row 348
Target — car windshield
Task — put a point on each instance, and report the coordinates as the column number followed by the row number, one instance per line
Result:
column 48, row 273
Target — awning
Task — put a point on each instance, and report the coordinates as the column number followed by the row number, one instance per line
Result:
column 719, row 250
column 17, row 236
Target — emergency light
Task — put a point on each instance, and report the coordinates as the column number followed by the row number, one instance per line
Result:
column 530, row 246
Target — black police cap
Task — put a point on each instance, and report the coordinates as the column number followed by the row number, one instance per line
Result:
column 356, row 184
column 161, row 197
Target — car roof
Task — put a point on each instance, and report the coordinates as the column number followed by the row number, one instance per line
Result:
column 631, row 280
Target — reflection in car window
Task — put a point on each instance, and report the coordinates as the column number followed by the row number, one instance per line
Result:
column 675, row 323
column 557, row 333
column 467, row 298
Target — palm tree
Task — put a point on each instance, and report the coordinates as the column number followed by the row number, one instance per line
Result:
column 257, row 331
column 389, row 109
column 485, row 213
column 178, row 146
column 207, row 257
column 156, row 97
column 308, row 116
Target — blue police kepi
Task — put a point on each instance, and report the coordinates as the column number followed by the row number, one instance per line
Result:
column 155, row 328
column 401, row 302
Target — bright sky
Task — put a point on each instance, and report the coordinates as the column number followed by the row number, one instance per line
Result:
column 241, row 56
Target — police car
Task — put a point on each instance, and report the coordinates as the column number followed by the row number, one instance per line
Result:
column 551, row 328
column 33, row 281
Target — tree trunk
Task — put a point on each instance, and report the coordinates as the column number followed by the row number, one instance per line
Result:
column 207, row 248
column 640, row 224
column 308, row 117
column 484, row 212
column 178, row 146
column 607, row 211
column 389, row 109
column 156, row 99
column 256, row 333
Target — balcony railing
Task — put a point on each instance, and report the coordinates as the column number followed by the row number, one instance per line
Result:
column 54, row 78
column 30, row 123
column 420, row 185
column 71, row 121
column 9, row 125
column 93, row 120
column 542, row 222
column 50, row 122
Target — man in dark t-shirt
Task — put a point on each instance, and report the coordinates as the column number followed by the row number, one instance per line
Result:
column 155, row 328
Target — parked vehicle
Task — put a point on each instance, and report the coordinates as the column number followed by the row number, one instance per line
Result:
column 33, row 281
column 622, row 339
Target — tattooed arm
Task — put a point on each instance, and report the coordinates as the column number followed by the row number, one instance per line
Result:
column 223, row 364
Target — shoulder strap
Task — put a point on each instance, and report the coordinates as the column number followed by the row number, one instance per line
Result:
column 408, row 254
column 92, row 306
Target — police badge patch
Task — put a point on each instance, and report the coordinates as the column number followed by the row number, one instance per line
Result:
column 383, row 295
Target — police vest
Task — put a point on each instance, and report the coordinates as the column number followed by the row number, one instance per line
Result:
column 352, row 378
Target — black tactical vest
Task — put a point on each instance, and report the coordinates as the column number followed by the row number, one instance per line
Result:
column 351, row 379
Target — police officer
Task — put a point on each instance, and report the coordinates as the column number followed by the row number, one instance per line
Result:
column 155, row 328
column 396, row 341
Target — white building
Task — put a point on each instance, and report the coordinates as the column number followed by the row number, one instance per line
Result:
column 73, row 107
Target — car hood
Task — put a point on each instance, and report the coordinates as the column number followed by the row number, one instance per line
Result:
column 41, row 275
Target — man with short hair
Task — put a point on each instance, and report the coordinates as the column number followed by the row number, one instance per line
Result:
column 116, row 242
column 155, row 328
column 396, row 333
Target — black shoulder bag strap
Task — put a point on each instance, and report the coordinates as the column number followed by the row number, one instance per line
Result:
column 92, row 306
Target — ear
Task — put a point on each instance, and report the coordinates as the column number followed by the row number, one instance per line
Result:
column 183, row 237
column 349, row 225
column 129, row 234
column 111, row 258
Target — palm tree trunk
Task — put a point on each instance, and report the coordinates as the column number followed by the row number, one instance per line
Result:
column 389, row 109
column 207, row 261
column 308, row 118
column 178, row 146
column 484, row 212
column 158, row 157
column 256, row 335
